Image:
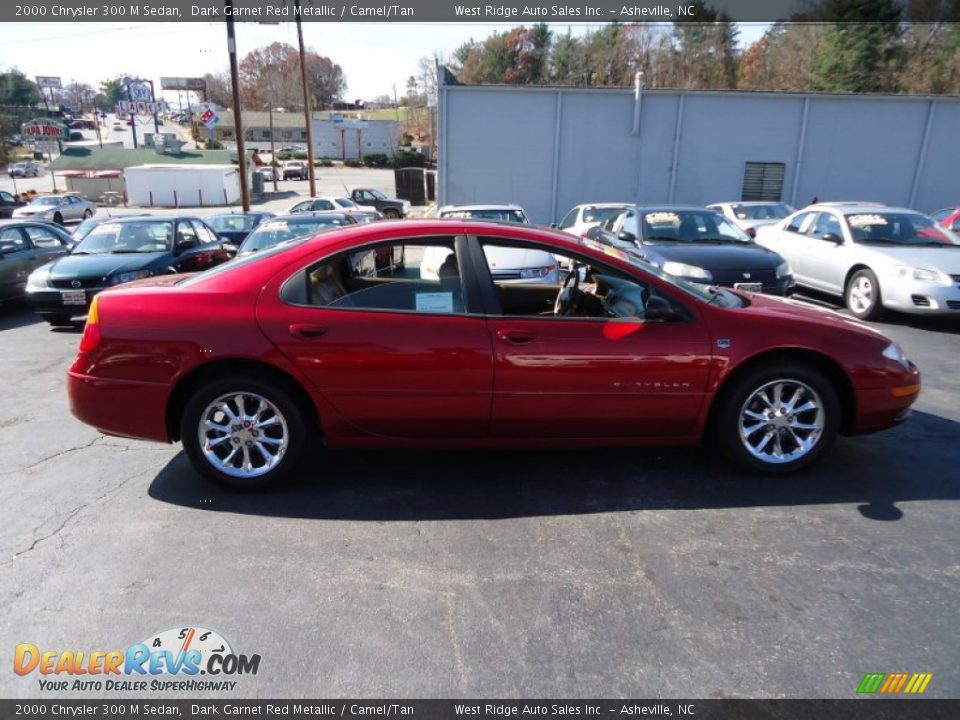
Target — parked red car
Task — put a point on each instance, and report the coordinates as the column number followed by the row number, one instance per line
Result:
column 249, row 363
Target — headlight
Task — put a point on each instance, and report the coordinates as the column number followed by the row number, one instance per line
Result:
column 129, row 276
column 38, row 280
column 930, row 275
column 784, row 269
column 683, row 270
column 537, row 272
column 894, row 352
column 406, row 204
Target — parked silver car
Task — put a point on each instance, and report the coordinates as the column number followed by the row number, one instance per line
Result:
column 58, row 208
column 748, row 215
column 24, row 169
column 874, row 256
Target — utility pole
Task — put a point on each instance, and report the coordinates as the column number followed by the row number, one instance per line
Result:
column 237, row 123
column 273, row 164
column 306, row 101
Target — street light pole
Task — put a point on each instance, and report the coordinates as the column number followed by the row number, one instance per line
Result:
column 237, row 123
column 273, row 165
column 306, row 102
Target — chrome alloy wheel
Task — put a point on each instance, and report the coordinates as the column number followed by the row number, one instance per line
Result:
column 781, row 421
column 861, row 295
column 243, row 434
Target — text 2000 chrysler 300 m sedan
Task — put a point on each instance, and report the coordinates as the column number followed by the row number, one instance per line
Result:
column 247, row 363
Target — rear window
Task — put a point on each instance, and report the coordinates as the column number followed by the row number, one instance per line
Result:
column 274, row 232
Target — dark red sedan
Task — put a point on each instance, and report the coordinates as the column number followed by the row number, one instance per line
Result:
column 249, row 364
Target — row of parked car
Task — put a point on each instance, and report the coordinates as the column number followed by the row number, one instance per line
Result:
column 874, row 257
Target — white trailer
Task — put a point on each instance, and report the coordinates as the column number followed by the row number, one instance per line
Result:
column 182, row 185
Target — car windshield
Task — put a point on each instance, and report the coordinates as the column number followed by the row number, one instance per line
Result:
column 690, row 226
column 345, row 202
column 899, row 228
column 84, row 228
column 233, row 223
column 772, row 211
column 600, row 214
column 47, row 201
column 504, row 214
column 275, row 232
column 701, row 292
column 144, row 236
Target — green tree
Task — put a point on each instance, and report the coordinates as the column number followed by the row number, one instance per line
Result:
column 112, row 92
column 862, row 50
column 19, row 97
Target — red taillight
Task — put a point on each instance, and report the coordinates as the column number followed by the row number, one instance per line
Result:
column 751, row 232
column 91, row 331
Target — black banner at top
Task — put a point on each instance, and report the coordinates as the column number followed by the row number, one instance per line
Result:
column 570, row 11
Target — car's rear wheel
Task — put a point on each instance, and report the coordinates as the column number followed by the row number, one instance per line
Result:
column 244, row 433
column 59, row 320
column 862, row 296
column 778, row 419
column 58, row 218
column 391, row 214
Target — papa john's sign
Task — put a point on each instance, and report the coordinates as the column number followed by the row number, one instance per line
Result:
column 45, row 129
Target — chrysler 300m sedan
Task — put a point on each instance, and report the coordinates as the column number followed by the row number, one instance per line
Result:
column 249, row 363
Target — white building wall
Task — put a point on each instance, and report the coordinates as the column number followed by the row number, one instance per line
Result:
column 182, row 186
column 551, row 148
column 352, row 139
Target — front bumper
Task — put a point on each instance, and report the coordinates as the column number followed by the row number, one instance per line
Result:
column 885, row 407
column 51, row 301
column 922, row 298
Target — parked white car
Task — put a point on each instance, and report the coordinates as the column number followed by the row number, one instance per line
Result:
column 501, row 213
column 340, row 204
column 875, row 257
column 581, row 218
column 752, row 214
column 507, row 265
column 58, row 208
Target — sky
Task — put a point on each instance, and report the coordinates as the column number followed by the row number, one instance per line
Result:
column 374, row 56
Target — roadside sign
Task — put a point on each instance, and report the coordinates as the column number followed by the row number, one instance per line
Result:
column 139, row 107
column 209, row 118
column 46, row 81
column 140, row 91
column 45, row 129
column 47, row 146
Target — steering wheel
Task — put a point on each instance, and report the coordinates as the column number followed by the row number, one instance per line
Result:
column 569, row 296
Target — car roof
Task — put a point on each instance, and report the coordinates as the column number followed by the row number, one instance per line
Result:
column 158, row 218
column 853, row 208
column 490, row 206
column 304, row 216
column 671, row 208
column 844, row 203
column 604, row 204
column 748, row 203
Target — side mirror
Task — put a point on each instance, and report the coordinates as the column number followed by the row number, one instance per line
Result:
column 627, row 236
column 660, row 310
column 833, row 238
column 185, row 244
column 554, row 226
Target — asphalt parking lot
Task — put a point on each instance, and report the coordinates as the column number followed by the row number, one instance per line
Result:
column 608, row 573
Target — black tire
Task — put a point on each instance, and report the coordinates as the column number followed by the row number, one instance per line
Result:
column 87, row 214
column 733, row 402
column 853, row 296
column 58, row 218
column 391, row 214
column 59, row 320
column 292, row 413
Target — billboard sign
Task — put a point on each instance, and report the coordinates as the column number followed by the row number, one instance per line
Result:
column 47, row 81
column 181, row 83
column 140, row 107
column 140, row 91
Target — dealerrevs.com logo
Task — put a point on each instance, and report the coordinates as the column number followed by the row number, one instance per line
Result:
column 172, row 660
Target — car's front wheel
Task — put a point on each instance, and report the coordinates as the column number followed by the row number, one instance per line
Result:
column 778, row 419
column 244, row 433
column 58, row 218
column 862, row 296
column 87, row 214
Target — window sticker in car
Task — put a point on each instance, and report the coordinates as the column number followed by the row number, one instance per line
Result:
column 275, row 225
column 106, row 229
column 661, row 218
column 435, row 302
column 866, row 220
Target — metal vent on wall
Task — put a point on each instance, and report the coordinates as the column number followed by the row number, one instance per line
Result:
column 763, row 181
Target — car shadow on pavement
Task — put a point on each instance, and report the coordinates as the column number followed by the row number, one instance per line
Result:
column 916, row 461
column 16, row 314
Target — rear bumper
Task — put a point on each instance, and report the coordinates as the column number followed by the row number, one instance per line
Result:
column 126, row 408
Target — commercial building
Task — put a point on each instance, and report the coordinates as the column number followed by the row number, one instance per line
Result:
column 550, row 148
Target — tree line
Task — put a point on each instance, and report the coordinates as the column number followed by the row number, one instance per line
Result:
column 879, row 46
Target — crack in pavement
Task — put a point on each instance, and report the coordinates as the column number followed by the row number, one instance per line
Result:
column 70, row 515
column 55, row 455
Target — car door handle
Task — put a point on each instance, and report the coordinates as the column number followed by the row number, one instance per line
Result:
column 515, row 337
column 307, row 332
